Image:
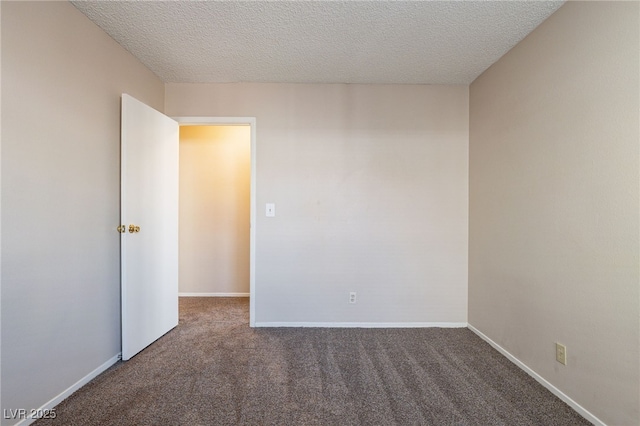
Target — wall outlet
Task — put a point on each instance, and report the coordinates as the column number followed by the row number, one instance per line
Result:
column 561, row 353
column 352, row 297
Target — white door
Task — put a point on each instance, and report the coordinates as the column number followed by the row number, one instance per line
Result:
column 149, row 213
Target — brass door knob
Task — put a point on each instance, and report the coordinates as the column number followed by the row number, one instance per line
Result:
column 133, row 228
column 122, row 229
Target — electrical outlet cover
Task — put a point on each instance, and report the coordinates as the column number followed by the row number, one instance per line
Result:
column 561, row 353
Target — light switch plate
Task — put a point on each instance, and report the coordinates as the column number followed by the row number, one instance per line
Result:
column 271, row 210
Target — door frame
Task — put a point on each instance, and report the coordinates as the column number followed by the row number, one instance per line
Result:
column 231, row 121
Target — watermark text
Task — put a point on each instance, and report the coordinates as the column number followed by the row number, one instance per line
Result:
column 23, row 413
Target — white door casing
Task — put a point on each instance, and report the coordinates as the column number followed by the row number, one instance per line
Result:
column 149, row 200
column 230, row 121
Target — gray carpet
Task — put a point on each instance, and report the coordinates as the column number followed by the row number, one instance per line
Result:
column 215, row 370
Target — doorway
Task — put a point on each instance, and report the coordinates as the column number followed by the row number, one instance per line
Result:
column 216, row 208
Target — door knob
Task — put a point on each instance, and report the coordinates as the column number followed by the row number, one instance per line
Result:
column 122, row 229
column 133, row 228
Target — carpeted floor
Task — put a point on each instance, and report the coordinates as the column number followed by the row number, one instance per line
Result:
column 215, row 370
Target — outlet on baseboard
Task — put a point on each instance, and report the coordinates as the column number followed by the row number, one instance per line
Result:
column 561, row 353
column 352, row 297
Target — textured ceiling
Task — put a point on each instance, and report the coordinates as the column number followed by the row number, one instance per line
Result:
column 420, row 42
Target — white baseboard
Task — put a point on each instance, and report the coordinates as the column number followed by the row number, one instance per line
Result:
column 213, row 294
column 71, row 389
column 554, row 390
column 364, row 324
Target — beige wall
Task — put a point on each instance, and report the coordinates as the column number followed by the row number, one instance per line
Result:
column 61, row 84
column 370, row 186
column 215, row 184
column 554, row 184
